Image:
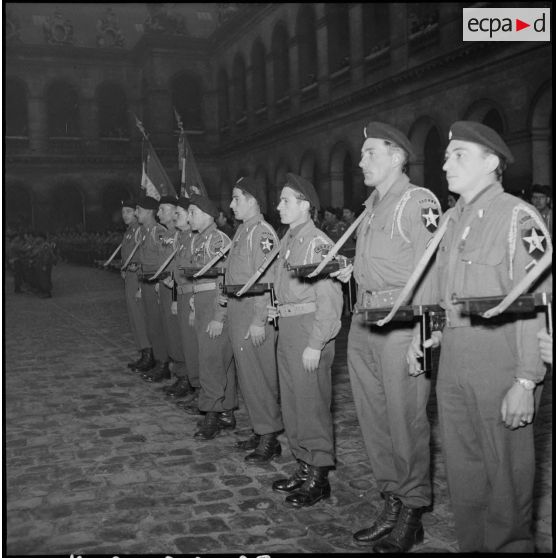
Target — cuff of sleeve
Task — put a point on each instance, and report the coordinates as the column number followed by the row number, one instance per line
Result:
column 316, row 344
column 258, row 322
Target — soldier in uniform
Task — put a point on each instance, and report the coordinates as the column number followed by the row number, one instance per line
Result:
column 309, row 319
column 167, row 293
column 489, row 369
column 147, row 257
column 217, row 398
column 391, row 406
column 136, row 312
column 187, row 383
column 253, row 339
column 44, row 260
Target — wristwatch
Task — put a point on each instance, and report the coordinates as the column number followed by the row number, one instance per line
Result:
column 529, row 385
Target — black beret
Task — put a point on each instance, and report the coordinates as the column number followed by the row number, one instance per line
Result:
column 168, row 199
column 467, row 130
column 205, row 204
column 304, row 187
column 183, row 202
column 129, row 203
column 148, row 203
column 381, row 130
column 250, row 186
column 541, row 189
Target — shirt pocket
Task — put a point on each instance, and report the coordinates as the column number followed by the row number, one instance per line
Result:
column 485, row 270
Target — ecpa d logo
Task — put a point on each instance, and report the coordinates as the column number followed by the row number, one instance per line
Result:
column 506, row 24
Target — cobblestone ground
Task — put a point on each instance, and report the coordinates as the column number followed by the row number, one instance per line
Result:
column 98, row 461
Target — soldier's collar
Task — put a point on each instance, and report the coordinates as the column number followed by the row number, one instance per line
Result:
column 484, row 196
column 209, row 228
column 299, row 228
column 253, row 220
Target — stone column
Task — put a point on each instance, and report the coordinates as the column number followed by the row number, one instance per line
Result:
column 398, row 35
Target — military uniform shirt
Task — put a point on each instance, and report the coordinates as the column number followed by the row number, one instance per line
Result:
column 393, row 236
column 202, row 247
column 131, row 236
column 149, row 253
column 252, row 242
column 490, row 244
column 306, row 244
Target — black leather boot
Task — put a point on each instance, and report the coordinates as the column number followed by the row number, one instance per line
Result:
column 384, row 523
column 135, row 363
column 248, row 445
column 210, row 427
column 407, row 532
column 226, row 419
column 296, row 480
column 315, row 488
column 158, row 374
column 268, row 448
column 180, row 388
column 147, row 361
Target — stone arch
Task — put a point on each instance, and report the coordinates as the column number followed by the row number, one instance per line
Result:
column 341, row 174
column 19, row 205
column 541, row 125
column 488, row 112
column 427, row 141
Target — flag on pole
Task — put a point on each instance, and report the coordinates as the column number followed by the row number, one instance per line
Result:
column 190, row 181
column 154, row 178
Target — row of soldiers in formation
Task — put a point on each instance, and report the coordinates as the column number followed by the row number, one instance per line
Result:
column 30, row 258
column 280, row 334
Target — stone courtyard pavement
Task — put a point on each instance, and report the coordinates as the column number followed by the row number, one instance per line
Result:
column 98, row 461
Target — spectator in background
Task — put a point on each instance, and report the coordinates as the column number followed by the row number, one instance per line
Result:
column 331, row 224
column 541, row 198
column 452, row 200
column 224, row 224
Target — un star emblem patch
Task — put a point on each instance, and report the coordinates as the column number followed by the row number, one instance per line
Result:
column 534, row 242
column 266, row 244
column 430, row 218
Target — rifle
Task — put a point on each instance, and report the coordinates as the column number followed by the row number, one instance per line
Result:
column 190, row 272
column 113, row 255
column 523, row 304
column 426, row 313
column 309, row 270
column 256, row 289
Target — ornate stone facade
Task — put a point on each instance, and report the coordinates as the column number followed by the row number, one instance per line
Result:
column 262, row 89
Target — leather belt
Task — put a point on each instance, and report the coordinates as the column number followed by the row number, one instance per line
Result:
column 184, row 289
column 377, row 299
column 286, row 310
column 205, row 287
